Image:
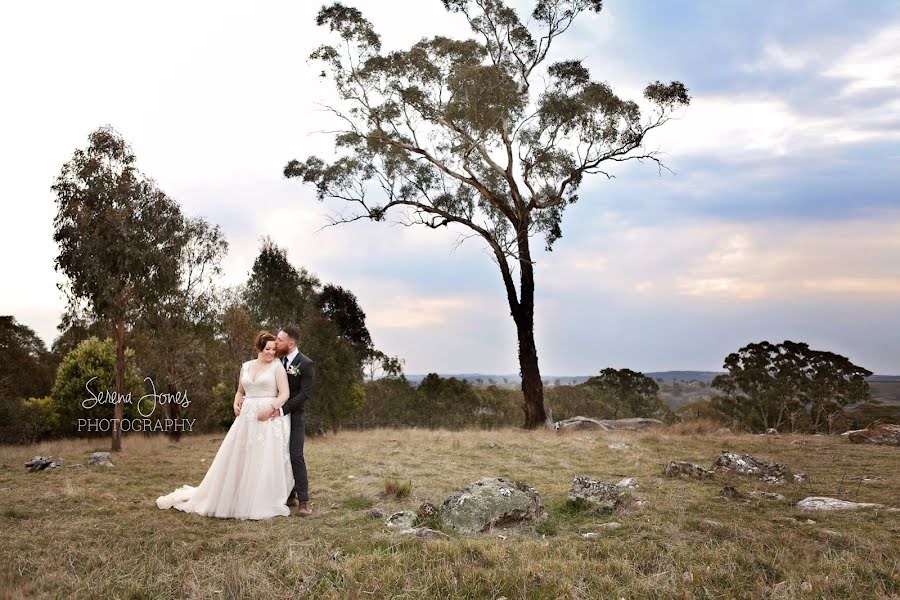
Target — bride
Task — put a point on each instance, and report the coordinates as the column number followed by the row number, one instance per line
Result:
column 251, row 474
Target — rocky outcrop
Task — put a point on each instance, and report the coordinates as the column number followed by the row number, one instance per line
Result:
column 744, row 464
column 99, row 459
column 593, row 495
column 39, row 463
column 884, row 434
column 825, row 503
column 490, row 503
column 686, row 470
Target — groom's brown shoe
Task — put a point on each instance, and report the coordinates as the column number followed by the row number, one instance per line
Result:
column 303, row 510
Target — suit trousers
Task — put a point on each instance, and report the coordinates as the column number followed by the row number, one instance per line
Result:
column 298, row 463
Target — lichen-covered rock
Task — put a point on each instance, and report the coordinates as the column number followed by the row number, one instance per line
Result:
column 427, row 510
column 744, row 464
column 884, row 434
column 405, row 519
column 825, row 503
column 99, row 459
column 596, row 496
column 687, row 470
column 39, row 463
column 489, row 503
column 579, row 423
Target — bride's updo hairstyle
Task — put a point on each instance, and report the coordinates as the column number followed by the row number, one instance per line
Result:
column 262, row 339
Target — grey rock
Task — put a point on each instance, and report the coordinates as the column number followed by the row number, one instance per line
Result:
column 427, row 510
column 629, row 483
column 825, row 503
column 771, row 431
column 732, row 493
column 768, row 496
column 710, row 524
column 39, row 463
column 687, row 470
column 618, row 446
column 405, row 519
column 99, row 459
column 744, row 464
column 489, row 503
column 597, row 496
column 375, row 513
column 800, row 477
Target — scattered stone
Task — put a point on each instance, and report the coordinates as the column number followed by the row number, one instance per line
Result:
column 405, row 519
column 885, row 434
column 99, row 459
column 351, row 476
column 687, row 576
column 427, row 511
column 425, row 533
column 618, row 446
column 824, row 503
column 492, row 445
column 39, row 463
column 489, row 503
column 580, row 423
column 865, row 478
column 771, row 431
column 598, row 496
column 800, row 477
column 5, row 490
column 830, row 533
column 731, row 493
column 768, row 496
column 806, row 586
column 744, row 464
column 687, row 470
column 710, row 524
column 800, row 443
column 602, row 527
column 629, row 483
column 375, row 513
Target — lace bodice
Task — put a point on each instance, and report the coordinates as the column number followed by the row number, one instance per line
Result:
column 265, row 385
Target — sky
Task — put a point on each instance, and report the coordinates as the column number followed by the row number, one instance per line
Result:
column 780, row 219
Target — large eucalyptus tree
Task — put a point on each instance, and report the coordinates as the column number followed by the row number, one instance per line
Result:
column 482, row 133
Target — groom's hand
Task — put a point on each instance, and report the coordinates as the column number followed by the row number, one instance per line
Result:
column 266, row 415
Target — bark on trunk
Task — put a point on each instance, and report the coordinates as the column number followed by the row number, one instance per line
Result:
column 174, row 414
column 120, row 386
column 532, row 386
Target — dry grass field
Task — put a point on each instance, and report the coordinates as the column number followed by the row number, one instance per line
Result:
column 96, row 533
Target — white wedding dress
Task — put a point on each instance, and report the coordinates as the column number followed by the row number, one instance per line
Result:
column 251, row 476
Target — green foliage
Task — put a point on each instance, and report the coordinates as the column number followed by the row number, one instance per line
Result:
column 338, row 392
column 630, row 393
column 277, row 294
column 789, row 384
column 26, row 369
column 92, row 364
column 119, row 236
column 40, row 419
column 567, row 401
column 340, row 306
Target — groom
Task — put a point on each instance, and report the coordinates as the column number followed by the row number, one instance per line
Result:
column 301, row 377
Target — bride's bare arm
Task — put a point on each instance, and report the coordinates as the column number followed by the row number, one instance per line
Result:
column 239, row 395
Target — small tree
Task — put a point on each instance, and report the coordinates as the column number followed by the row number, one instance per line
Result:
column 457, row 133
column 631, row 393
column 93, row 364
column 119, row 238
column 773, row 385
column 276, row 292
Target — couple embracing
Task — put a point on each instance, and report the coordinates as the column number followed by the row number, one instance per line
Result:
column 260, row 462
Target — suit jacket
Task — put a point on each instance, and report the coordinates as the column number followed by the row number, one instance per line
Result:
column 300, row 385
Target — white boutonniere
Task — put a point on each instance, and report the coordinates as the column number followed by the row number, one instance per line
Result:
column 294, row 370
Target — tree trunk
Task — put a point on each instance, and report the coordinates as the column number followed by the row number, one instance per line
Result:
column 174, row 413
column 532, row 386
column 120, row 386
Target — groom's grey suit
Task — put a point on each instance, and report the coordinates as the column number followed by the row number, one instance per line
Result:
column 300, row 389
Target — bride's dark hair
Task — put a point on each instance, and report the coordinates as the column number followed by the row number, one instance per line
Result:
column 263, row 338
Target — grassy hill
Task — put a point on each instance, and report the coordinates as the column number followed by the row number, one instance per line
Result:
column 97, row 532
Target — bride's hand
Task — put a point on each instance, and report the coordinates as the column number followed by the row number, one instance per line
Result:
column 237, row 408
